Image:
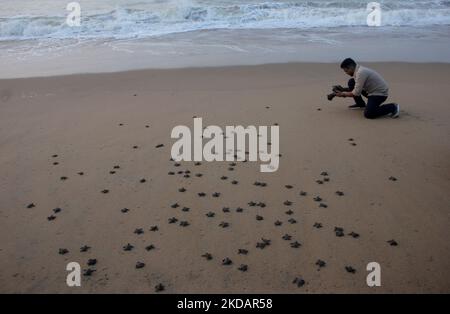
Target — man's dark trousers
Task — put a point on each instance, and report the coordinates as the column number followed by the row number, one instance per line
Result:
column 373, row 109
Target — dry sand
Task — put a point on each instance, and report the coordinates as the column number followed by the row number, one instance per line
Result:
column 78, row 118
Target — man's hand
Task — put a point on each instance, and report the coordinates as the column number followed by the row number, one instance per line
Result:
column 344, row 94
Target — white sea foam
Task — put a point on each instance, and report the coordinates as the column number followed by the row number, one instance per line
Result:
column 139, row 19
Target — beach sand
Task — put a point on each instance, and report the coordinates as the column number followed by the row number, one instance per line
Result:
column 79, row 117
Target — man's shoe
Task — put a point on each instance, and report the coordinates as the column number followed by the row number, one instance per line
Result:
column 356, row 106
column 396, row 113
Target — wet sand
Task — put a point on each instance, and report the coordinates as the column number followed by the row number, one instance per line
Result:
column 86, row 145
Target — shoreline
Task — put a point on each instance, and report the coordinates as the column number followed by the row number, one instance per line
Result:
column 221, row 48
column 219, row 67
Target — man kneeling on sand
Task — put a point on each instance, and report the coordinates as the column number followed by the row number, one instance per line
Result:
column 371, row 85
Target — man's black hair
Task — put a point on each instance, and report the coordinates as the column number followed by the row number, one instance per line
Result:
column 347, row 63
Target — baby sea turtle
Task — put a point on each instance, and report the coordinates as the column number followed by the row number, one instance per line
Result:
column 227, row 261
column 138, row 231
column 116, row 167
column 199, row 175
column 54, row 156
column 230, row 168
column 239, row 210
column 243, row 251
column 392, row 242
column 317, row 225
column 224, row 224
column 177, row 164
column 261, row 204
column 63, row 251
column 185, row 209
column 303, row 193
column 159, row 287
column 201, row 194
column 135, row 147
column 288, row 186
column 184, row 223
column 339, row 231
column 320, row 263
column 172, row 220
column 223, row 177
column 56, row 163
column 287, row 203
column 112, row 172
column 175, row 205
column 88, row 272
column 171, row 173
column 251, row 204
column 124, row 210
column 105, row 191
column 142, row 180
column 63, row 178
column 81, row 173
column 51, row 217
column 292, row 220
column 150, row 247
column 323, row 205
column 259, row 218
column 197, row 163
column 353, row 144
column 210, row 214
column 207, row 256
column 324, row 173
column 350, row 269
column 295, row 244
column 326, row 179
column 84, row 248
column 31, row 205
column 393, row 178
column 186, row 176
column 154, row 228
column 92, row 261
column 226, row 209
column 216, row 194
column 354, row 235
column 317, row 199
column 243, row 268
column 319, row 181
column 299, row 282
column 286, row 237
column 159, row 145
column 339, row 193
column 182, row 190
column 128, row 247
column 289, row 212
column 278, row 223
column 140, row 265
column 234, row 182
